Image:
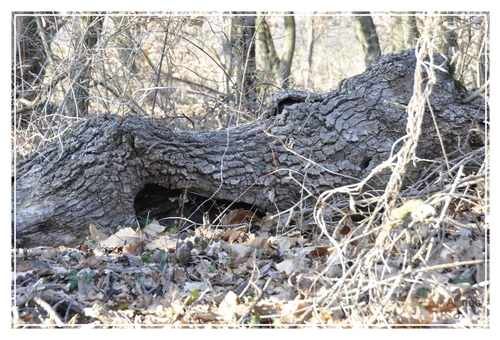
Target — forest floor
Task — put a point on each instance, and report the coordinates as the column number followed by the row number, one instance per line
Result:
column 338, row 269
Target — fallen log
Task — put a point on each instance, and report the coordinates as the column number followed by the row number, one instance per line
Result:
column 108, row 169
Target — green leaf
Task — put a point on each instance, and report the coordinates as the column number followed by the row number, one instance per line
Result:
column 48, row 280
column 254, row 320
column 164, row 255
column 204, row 245
column 172, row 230
column 417, row 304
column 212, row 268
column 145, row 222
column 88, row 276
column 123, row 306
column 461, row 280
column 113, row 277
column 138, row 278
column 277, row 322
column 72, row 278
column 423, row 292
column 146, row 258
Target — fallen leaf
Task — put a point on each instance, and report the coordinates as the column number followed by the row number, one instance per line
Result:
column 228, row 306
column 165, row 242
column 122, row 237
column 285, row 266
column 154, row 229
column 238, row 216
column 231, row 235
column 96, row 234
column 258, row 242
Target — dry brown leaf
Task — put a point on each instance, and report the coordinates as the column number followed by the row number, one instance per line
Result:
column 284, row 243
column 285, row 267
column 292, row 310
column 268, row 221
column 49, row 254
column 231, row 235
column 348, row 223
column 134, row 249
column 240, row 250
column 122, row 237
column 228, row 306
column 164, row 242
column 320, row 251
column 238, row 216
column 258, row 242
column 154, row 229
column 96, row 234
column 206, row 316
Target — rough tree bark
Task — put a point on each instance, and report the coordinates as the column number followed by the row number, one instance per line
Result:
column 98, row 171
column 367, row 35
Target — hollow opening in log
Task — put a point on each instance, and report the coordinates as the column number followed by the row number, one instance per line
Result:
column 156, row 202
column 366, row 162
column 165, row 205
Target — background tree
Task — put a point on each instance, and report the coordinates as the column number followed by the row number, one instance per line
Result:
column 29, row 54
column 87, row 32
column 368, row 37
column 242, row 57
column 310, row 48
column 278, row 67
column 404, row 31
column 32, row 56
column 266, row 49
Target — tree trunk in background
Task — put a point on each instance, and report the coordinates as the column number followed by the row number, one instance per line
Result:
column 127, row 46
column 29, row 55
column 404, row 31
column 76, row 99
column 274, row 65
column 367, row 36
column 288, row 50
column 310, row 46
column 305, row 144
column 266, row 48
column 242, row 38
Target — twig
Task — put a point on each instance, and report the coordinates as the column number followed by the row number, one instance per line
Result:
column 477, row 94
column 447, row 265
column 52, row 313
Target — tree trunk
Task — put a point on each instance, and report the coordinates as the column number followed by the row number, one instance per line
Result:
column 404, row 31
column 28, row 55
column 85, row 42
column 305, row 144
column 367, row 36
column 248, row 60
column 274, row 65
column 310, row 46
column 267, row 51
column 288, row 50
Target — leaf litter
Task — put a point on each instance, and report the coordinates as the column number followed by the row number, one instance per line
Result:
column 242, row 273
